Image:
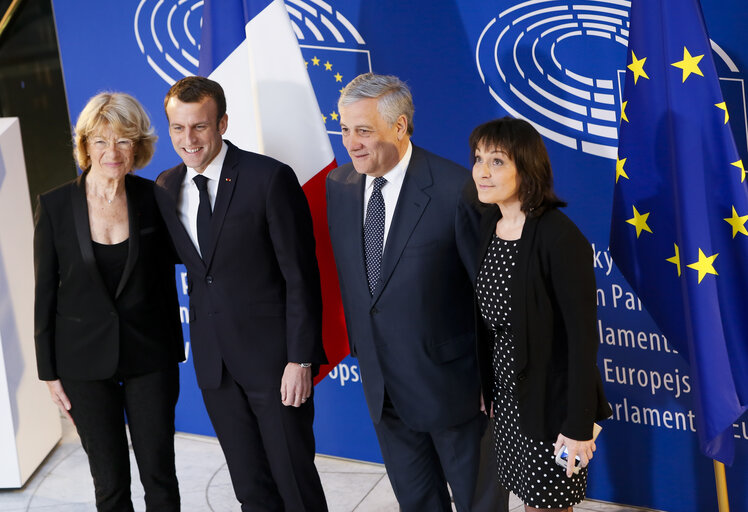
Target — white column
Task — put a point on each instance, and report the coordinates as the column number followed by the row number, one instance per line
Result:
column 29, row 422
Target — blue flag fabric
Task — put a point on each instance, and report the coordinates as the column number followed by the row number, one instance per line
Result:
column 223, row 29
column 680, row 209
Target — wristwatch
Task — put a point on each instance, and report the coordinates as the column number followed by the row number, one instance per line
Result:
column 305, row 365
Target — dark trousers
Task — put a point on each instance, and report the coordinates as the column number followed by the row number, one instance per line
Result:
column 490, row 495
column 269, row 448
column 419, row 464
column 98, row 409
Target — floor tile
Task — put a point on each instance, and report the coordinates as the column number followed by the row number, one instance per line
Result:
column 344, row 491
column 380, row 499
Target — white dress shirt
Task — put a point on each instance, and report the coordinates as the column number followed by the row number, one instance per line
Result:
column 390, row 191
column 189, row 196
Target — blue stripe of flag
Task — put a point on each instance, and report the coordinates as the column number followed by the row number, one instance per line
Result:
column 223, row 29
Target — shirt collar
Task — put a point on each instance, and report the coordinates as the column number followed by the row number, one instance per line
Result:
column 397, row 174
column 213, row 170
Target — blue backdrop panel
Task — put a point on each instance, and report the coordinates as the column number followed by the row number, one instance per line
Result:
column 558, row 63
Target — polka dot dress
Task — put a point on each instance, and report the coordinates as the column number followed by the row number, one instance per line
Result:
column 527, row 467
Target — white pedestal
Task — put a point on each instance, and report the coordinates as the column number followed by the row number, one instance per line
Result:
column 29, row 422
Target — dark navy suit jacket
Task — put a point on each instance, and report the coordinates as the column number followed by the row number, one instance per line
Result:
column 416, row 334
column 255, row 300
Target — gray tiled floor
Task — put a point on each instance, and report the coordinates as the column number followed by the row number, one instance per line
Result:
column 63, row 483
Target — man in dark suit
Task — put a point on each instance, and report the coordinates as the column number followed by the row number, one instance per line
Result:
column 407, row 296
column 245, row 236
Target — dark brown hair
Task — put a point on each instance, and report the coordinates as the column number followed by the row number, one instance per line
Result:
column 524, row 145
column 192, row 89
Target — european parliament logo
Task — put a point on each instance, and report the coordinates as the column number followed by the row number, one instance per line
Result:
column 167, row 33
column 560, row 65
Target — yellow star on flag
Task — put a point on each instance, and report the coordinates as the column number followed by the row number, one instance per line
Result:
column 639, row 221
column 723, row 106
column 338, row 77
column 637, row 67
column 341, row 90
column 306, row 63
column 324, row 118
column 739, row 165
column 623, row 112
column 334, row 115
column 328, row 66
column 737, row 222
column 619, row 169
column 689, row 64
column 675, row 259
column 705, row 265
column 315, row 61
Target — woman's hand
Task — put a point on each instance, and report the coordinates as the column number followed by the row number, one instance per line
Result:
column 584, row 449
column 60, row 398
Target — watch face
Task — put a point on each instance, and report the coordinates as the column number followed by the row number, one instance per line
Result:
column 305, row 365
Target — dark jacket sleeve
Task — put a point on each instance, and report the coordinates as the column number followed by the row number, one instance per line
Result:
column 292, row 234
column 467, row 227
column 46, row 274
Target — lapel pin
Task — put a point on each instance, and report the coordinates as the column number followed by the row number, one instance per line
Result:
column 228, row 179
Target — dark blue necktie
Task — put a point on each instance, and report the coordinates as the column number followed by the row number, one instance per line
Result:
column 374, row 234
column 203, row 214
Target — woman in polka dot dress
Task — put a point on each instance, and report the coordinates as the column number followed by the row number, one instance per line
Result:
column 536, row 295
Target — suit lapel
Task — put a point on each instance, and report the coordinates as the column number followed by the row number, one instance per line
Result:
column 134, row 226
column 226, row 185
column 487, row 229
column 410, row 207
column 83, row 231
column 519, row 287
column 353, row 216
column 171, row 183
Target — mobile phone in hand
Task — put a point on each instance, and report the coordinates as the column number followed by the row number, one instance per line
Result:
column 562, row 458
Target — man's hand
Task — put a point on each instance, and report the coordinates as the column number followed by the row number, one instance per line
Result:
column 60, row 398
column 296, row 385
column 483, row 407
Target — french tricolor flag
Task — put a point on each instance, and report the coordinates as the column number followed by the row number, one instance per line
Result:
column 249, row 47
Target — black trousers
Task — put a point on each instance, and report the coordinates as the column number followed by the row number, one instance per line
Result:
column 98, row 409
column 269, row 448
column 419, row 464
column 490, row 495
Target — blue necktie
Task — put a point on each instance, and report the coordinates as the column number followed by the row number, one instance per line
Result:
column 374, row 234
column 203, row 214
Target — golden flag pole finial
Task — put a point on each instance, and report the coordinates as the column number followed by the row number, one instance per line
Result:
column 12, row 8
column 719, row 477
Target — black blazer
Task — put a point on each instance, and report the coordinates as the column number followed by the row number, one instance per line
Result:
column 81, row 331
column 553, row 318
column 416, row 335
column 255, row 299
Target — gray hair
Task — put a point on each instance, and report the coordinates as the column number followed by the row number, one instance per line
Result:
column 392, row 95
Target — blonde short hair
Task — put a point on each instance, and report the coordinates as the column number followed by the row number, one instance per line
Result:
column 125, row 116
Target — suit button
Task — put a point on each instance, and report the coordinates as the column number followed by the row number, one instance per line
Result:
column 209, row 279
column 374, row 311
column 521, row 376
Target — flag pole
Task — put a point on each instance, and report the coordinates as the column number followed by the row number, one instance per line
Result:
column 719, row 477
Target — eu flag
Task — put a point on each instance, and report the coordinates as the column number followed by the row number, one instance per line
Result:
column 678, row 230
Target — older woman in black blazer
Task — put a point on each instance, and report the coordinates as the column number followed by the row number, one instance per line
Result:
column 537, row 342
column 107, row 328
